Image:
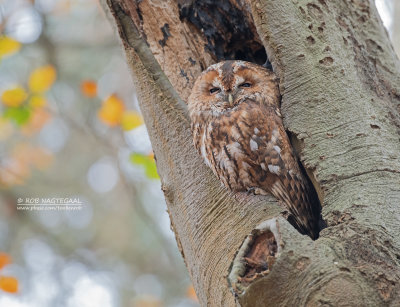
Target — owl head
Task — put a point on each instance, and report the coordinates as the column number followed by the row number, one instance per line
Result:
column 223, row 86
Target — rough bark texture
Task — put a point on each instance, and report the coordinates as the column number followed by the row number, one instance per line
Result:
column 340, row 84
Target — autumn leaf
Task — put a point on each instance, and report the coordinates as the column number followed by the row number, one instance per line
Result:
column 8, row 284
column 111, row 111
column 131, row 120
column 42, row 78
column 190, row 293
column 4, row 260
column 19, row 115
column 37, row 101
column 8, row 46
column 14, row 97
column 147, row 162
column 89, row 88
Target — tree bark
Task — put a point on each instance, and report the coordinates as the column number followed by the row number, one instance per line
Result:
column 340, row 86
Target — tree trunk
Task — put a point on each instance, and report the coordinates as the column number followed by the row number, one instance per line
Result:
column 340, row 86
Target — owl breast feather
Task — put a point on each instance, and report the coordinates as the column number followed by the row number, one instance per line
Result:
column 232, row 142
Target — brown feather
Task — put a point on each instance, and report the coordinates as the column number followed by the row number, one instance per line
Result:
column 244, row 142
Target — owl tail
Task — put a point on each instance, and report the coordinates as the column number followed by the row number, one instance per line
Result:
column 302, row 202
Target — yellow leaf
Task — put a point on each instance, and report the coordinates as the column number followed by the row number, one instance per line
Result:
column 37, row 101
column 89, row 88
column 111, row 110
column 8, row 46
column 4, row 260
column 8, row 284
column 42, row 78
column 131, row 120
column 14, row 97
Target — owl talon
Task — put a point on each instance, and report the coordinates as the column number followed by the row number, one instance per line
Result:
column 256, row 191
column 251, row 191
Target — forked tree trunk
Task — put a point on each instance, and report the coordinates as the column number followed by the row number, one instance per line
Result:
column 340, row 86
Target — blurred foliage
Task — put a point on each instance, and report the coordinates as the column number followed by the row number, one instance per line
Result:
column 111, row 110
column 70, row 128
column 89, row 88
column 7, row 283
column 147, row 162
column 8, row 46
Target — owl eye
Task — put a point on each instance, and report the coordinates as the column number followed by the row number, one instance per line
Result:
column 246, row 84
column 214, row 90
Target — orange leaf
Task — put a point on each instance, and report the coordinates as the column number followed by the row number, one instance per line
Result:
column 4, row 260
column 111, row 111
column 14, row 97
column 9, row 284
column 190, row 293
column 89, row 88
column 8, row 46
column 131, row 120
column 42, row 78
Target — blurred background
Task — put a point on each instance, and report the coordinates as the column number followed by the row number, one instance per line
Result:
column 71, row 131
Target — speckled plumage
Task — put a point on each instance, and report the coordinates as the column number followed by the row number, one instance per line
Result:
column 237, row 128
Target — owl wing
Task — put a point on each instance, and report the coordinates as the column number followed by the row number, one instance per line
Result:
column 279, row 172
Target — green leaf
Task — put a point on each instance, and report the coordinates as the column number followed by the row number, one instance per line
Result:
column 147, row 162
column 19, row 115
column 138, row 158
column 151, row 170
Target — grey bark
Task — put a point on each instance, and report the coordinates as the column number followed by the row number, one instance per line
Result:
column 340, row 85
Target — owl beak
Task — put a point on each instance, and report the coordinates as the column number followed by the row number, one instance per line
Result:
column 230, row 99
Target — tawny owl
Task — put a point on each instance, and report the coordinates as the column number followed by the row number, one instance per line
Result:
column 237, row 128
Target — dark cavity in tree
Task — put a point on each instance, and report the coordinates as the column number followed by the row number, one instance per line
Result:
column 260, row 256
column 230, row 34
